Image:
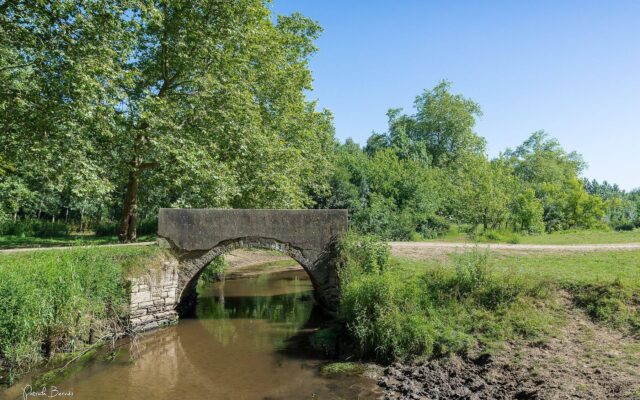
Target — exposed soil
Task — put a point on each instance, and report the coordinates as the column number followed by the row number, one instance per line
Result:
column 583, row 361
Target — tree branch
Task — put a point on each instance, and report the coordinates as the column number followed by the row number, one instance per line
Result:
column 148, row 165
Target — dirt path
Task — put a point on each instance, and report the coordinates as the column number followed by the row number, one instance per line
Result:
column 420, row 250
column 25, row 249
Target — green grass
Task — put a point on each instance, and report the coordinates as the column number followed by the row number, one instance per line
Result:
column 583, row 237
column 476, row 301
column 606, row 284
column 573, row 267
column 57, row 301
column 14, row 242
column 560, row 238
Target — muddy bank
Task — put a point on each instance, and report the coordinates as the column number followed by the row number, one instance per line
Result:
column 495, row 379
column 582, row 361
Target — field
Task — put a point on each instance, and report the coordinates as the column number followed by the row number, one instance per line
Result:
column 559, row 238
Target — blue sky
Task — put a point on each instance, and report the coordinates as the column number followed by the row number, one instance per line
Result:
column 571, row 68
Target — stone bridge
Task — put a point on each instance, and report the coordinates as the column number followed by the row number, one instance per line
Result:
column 197, row 236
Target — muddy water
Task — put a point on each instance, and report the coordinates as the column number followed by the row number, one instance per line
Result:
column 241, row 344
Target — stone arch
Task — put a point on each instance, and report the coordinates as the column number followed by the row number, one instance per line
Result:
column 197, row 236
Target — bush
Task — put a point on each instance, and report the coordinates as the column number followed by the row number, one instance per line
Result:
column 435, row 226
column 109, row 228
column 214, row 271
column 37, row 228
column 363, row 253
column 148, row 227
column 628, row 226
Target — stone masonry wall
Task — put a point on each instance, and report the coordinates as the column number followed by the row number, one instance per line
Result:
column 154, row 296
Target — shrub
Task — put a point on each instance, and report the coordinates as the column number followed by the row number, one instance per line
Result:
column 110, row 228
column 627, row 226
column 435, row 226
column 148, row 227
column 214, row 271
column 106, row 228
column 364, row 253
column 32, row 227
column 325, row 340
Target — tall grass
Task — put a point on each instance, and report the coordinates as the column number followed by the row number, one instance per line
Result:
column 390, row 314
column 60, row 301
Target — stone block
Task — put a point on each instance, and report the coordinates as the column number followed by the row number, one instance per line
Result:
column 140, row 297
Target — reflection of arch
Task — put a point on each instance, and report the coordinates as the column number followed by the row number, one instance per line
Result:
column 197, row 236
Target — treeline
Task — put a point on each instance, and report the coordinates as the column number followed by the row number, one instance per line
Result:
column 113, row 109
column 430, row 170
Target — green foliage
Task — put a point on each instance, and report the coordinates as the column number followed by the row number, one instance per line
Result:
column 528, row 212
column 389, row 314
column 542, row 165
column 58, row 301
column 147, row 226
column 325, row 341
column 483, row 192
column 170, row 103
column 440, row 133
column 35, row 228
column 615, row 304
column 385, row 194
column 213, row 271
column 363, row 254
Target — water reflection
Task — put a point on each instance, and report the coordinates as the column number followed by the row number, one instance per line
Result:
column 229, row 351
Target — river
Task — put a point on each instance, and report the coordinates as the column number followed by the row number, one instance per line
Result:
column 242, row 343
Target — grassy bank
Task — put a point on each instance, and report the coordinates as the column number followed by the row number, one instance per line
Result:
column 61, row 301
column 474, row 302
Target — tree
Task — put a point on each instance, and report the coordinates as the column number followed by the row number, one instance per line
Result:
column 527, row 212
column 385, row 194
column 205, row 101
column 542, row 164
column 439, row 133
column 483, row 192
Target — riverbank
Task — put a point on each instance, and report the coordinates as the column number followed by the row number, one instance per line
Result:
column 498, row 324
column 581, row 360
column 58, row 303
column 585, row 341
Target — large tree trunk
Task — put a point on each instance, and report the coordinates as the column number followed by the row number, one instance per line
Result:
column 128, row 222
